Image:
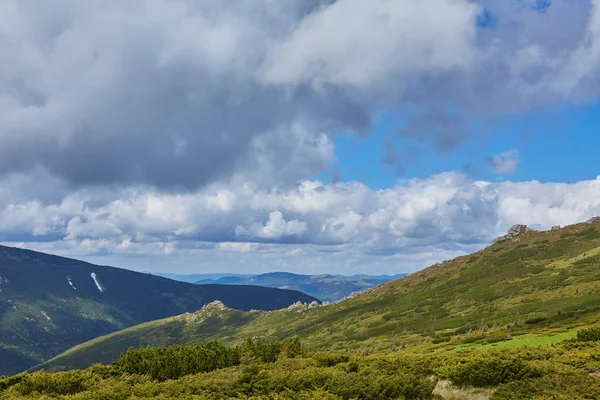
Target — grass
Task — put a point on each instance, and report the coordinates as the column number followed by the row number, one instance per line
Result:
column 520, row 341
column 280, row 371
column 508, row 289
column 447, row 391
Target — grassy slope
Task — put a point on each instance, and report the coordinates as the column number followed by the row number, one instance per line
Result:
column 41, row 315
column 543, row 286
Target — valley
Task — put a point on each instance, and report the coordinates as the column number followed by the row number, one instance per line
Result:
column 530, row 290
column 49, row 304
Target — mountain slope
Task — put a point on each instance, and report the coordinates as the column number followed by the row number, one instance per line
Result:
column 529, row 287
column 50, row 303
column 323, row 287
column 194, row 278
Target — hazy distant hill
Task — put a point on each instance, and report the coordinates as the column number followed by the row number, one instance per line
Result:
column 323, row 287
column 193, row 278
column 527, row 288
column 50, row 303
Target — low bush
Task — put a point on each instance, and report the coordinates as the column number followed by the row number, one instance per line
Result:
column 588, row 335
column 487, row 373
column 60, row 383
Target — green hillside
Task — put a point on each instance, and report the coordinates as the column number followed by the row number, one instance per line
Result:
column 530, row 288
column 49, row 304
column 323, row 287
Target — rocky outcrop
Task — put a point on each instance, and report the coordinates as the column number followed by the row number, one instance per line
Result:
column 515, row 233
column 300, row 307
column 593, row 220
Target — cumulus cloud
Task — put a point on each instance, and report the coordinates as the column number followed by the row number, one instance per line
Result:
column 276, row 228
column 505, row 163
column 447, row 214
column 181, row 94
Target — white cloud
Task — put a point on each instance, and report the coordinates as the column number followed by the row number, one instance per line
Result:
column 275, row 228
column 237, row 247
column 505, row 163
column 426, row 219
column 358, row 43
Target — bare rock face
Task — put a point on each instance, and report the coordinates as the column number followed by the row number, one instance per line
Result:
column 517, row 230
column 514, row 233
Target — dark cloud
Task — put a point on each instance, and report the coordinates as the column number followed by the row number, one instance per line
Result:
column 181, row 94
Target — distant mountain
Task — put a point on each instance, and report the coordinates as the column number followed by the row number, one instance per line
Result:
column 50, row 303
column 528, row 288
column 193, row 278
column 323, row 287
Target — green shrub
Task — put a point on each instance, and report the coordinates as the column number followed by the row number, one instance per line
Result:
column 486, row 373
column 177, row 361
column 565, row 385
column 536, row 320
column 588, row 335
column 60, row 383
column 329, row 359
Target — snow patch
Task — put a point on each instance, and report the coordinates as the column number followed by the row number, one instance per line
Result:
column 97, row 282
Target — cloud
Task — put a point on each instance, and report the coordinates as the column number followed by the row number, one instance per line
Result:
column 275, row 228
column 192, row 128
column 182, row 94
column 445, row 214
column 237, row 247
column 505, row 163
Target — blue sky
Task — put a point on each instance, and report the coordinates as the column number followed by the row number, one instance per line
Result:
column 554, row 145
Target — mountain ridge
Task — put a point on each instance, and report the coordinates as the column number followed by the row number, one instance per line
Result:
column 325, row 287
column 50, row 303
column 545, row 283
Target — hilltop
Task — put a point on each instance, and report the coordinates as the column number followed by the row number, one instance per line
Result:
column 323, row 287
column 49, row 303
column 528, row 287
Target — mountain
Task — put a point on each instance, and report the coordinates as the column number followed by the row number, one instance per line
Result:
column 193, row 278
column 323, row 287
column 49, row 304
column 528, row 287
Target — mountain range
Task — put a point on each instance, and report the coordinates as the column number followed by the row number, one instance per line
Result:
column 323, row 287
column 49, row 303
column 528, row 287
column 193, row 278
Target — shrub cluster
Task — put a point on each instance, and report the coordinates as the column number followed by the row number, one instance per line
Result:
column 257, row 369
column 589, row 335
column 162, row 363
column 492, row 372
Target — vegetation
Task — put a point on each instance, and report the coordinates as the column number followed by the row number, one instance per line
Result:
column 539, row 289
column 517, row 320
column 285, row 370
column 42, row 314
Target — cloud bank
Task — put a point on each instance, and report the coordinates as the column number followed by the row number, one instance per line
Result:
column 446, row 214
column 194, row 127
column 185, row 93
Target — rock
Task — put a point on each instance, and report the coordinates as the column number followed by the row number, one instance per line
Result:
column 297, row 304
column 555, row 227
column 514, row 233
column 517, row 230
column 593, row 220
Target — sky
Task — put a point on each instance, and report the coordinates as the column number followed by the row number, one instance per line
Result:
column 310, row 136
